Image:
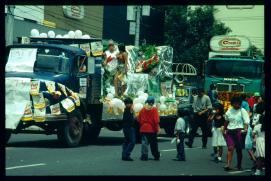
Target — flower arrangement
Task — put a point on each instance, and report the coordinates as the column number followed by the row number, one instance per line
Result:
column 149, row 58
column 147, row 65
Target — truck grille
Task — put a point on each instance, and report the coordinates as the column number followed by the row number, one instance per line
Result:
column 230, row 87
column 223, row 87
column 237, row 88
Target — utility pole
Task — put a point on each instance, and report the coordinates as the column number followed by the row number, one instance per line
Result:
column 9, row 28
column 137, row 32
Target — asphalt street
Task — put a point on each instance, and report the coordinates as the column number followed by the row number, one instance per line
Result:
column 31, row 154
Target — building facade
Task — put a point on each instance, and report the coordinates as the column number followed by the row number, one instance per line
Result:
column 60, row 19
column 88, row 19
column 245, row 20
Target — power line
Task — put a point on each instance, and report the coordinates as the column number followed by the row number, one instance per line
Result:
column 51, row 13
column 91, row 17
column 42, row 24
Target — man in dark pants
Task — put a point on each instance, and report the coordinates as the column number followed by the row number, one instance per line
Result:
column 128, row 130
column 201, row 105
column 148, row 119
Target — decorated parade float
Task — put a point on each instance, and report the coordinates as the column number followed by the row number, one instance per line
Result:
column 149, row 73
column 57, row 85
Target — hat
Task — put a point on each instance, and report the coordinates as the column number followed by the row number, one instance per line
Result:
column 128, row 100
column 257, row 94
column 150, row 100
column 111, row 42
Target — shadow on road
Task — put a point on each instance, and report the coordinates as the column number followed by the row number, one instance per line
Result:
column 101, row 141
column 37, row 144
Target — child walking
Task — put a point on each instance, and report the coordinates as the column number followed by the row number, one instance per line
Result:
column 180, row 128
column 218, row 140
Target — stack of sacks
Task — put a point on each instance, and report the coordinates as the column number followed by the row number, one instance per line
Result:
column 118, row 106
column 169, row 108
column 115, row 105
column 162, row 106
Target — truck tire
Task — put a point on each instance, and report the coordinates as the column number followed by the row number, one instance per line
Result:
column 114, row 126
column 70, row 133
column 169, row 129
column 8, row 135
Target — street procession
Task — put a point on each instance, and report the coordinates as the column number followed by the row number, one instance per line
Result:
column 174, row 90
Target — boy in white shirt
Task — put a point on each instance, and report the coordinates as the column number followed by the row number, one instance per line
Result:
column 180, row 128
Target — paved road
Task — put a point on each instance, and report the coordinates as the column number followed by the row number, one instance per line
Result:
column 28, row 154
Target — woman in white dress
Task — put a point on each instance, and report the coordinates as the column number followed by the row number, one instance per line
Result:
column 218, row 140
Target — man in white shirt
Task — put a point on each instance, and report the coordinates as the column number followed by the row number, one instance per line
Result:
column 201, row 105
column 110, row 58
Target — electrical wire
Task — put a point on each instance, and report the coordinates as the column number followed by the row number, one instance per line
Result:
column 111, row 22
column 62, row 17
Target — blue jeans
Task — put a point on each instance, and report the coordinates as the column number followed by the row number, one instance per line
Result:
column 129, row 141
column 180, row 147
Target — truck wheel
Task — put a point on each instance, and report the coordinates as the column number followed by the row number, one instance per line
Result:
column 114, row 126
column 8, row 135
column 169, row 129
column 70, row 133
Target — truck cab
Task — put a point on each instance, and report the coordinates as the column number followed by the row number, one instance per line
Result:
column 73, row 73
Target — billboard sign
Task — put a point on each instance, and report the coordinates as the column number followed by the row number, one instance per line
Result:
column 230, row 44
column 74, row 12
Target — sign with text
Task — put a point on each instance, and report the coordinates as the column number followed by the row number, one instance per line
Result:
column 21, row 59
column 230, row 43
column 74, row 12
column 131, row 13
column 146, row 10
column 132, row 28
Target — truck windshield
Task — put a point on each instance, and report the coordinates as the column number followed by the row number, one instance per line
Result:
column 40, row 59
column 231, row 68
column 51, row 60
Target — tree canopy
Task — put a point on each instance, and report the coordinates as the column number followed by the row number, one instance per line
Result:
column 189, row 32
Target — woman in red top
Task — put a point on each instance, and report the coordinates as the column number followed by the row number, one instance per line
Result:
column 148, row 119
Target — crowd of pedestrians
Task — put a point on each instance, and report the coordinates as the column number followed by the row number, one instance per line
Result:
column 240, row 127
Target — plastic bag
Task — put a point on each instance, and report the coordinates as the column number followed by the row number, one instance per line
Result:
column 135, row 83
column 249, row 139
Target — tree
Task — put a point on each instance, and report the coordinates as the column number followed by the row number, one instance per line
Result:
column 253, row 51
column 189, row 32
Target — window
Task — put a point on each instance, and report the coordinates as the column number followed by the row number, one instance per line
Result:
column 82, row 64
column 52, row 60
column 235, row 68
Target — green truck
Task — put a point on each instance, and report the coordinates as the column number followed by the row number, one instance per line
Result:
column 231, row 72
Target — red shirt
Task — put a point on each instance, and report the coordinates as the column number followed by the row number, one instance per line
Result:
column 251, row 101
column 148, row 120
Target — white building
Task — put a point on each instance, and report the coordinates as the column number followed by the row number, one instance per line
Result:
column 247, row 20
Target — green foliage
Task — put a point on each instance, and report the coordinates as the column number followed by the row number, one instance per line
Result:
column 253, row 51
column 148, row 50
column 189, row 32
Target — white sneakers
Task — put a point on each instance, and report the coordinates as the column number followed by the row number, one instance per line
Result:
column 258, row 172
